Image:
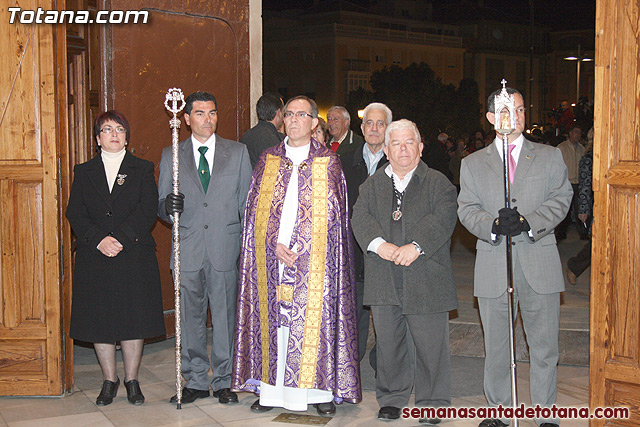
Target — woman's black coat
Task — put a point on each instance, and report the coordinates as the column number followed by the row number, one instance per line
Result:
column 115, row 298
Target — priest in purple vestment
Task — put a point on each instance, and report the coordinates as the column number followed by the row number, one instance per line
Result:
column 296, row 339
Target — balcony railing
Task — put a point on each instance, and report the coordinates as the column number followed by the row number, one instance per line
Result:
column 355, row 65
column 343, row 30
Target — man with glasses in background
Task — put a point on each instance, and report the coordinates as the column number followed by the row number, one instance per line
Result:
column 358, row 165
column 296, row 338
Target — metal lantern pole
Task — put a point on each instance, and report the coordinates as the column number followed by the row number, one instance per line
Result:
column 174, row 102
column 505, row 123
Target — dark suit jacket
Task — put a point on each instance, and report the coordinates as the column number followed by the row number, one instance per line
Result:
column 211, row 223
column 428, row 218
column 350, row 142
column 355, row 172
column 260, row 137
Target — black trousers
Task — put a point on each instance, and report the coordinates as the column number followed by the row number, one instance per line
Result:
column 581, row 261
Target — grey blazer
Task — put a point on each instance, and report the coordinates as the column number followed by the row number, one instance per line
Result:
column 428, row 218
column 542, row 193
column 211, row 224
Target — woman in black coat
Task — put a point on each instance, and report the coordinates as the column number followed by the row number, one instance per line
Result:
column 116, row 283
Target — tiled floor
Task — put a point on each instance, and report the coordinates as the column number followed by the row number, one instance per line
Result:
column 157, row 378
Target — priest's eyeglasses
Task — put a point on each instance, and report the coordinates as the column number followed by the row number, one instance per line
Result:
column 298, row 114
column 109, row 129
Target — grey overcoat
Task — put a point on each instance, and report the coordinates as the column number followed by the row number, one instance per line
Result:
column 428, row 218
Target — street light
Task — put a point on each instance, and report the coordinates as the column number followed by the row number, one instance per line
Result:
column 578, row 60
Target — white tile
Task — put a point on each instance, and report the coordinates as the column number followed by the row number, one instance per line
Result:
column 96, row 419
column 159, row 414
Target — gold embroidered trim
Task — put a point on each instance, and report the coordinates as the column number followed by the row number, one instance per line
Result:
column 313, row 317
column 262, row 221
column 284, row 292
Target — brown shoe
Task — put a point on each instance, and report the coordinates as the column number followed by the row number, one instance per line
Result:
column 571, row 277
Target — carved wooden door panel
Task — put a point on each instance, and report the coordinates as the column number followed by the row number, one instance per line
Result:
column 615, row 267
column 30, row 275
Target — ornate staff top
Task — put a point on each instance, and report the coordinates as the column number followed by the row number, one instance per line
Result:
column 176, row 98
column 505, row 111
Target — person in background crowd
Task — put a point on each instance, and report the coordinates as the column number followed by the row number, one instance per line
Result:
column 342, row 138
column 321, row 132
column 455, row 162
column 566, row 119
column 358, row 165
column 572, row 151
column 265, row 133
column 577, row 264
column 435, row 157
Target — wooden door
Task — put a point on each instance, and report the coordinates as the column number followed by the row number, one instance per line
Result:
column 615, row 267
column 193, row 45
column 31, row 96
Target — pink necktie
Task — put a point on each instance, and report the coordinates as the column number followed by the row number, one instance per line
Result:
column 512, row 163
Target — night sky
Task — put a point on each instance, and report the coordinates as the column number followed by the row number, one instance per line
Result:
column 557, row 14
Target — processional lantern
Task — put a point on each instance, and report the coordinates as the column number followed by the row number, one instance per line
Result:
column 505, row 124
column 505, row 111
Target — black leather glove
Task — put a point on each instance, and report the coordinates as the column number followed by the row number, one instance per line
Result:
column 174, row 203
column 509, row 223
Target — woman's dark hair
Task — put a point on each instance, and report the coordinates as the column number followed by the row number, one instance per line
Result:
column 114, row 115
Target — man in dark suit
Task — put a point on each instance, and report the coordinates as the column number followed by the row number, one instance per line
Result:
column 404, row 217
column 541, row 194
column 270, row 109
column 214, row 181
column 343, row 139
column 358, row 165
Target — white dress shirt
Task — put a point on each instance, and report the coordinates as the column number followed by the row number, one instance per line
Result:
column 210, row 144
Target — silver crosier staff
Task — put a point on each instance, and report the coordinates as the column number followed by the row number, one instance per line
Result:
column 174, row 102
column 504, row 124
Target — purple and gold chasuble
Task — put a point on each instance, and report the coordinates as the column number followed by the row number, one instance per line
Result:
column 317, row 297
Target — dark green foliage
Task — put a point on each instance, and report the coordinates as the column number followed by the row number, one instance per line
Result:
column 417, row 94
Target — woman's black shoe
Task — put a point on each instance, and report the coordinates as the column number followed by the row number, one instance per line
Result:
column 108, row 392
column 134, row 394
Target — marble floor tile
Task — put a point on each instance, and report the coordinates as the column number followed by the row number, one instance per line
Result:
column 33, row 408
column 159, row 414
column 95, row 419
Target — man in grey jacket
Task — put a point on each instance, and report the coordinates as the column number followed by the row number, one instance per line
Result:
column 540, row 196
column 404, row 217
column 214, row 180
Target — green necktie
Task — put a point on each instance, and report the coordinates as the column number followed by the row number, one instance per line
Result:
column 203, row 169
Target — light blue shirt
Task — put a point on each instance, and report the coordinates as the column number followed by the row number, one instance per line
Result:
column 371, row 159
